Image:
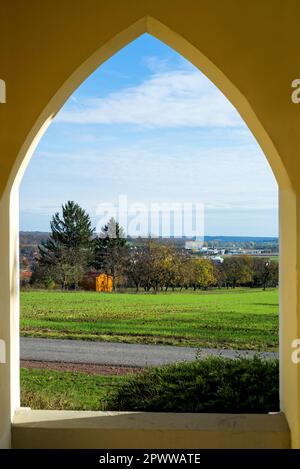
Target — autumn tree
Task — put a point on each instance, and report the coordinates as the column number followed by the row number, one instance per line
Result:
column 202, row 273
column 135, row 268
column 265, row 272
column 153, row 265
column 237, row 270
column 176, row 269
column 219, row 275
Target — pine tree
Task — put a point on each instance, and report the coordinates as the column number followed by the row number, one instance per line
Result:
column 110, row 251
column 67, row 252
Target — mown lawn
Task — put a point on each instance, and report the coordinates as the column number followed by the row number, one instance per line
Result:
column 238, row 319
column 49, row 389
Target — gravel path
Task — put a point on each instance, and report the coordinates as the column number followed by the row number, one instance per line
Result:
column 110, row 353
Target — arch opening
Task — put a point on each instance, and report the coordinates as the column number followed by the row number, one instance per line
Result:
column 147, row 120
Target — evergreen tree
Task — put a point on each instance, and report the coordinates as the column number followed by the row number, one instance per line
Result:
column 110, row 251
column 67, row 252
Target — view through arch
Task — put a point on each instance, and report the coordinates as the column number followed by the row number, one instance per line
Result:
column 149, row 139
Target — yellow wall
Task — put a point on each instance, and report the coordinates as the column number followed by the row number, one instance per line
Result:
column 73, row 429
column 249, row 48
column 104, row 283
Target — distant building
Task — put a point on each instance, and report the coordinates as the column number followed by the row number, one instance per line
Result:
column 25, row 277
column 234, row 252
column 252, row 251
column 212, row 251
column 99, row 282
column 193, row 245
column 217, row 260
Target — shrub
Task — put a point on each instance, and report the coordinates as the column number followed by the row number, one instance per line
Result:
column 210, row 385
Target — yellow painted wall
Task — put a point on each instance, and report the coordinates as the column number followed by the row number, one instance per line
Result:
column 104, row 283
column 73, row 429
column 249, row 48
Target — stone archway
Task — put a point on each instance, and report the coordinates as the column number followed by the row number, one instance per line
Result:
column 289, row 323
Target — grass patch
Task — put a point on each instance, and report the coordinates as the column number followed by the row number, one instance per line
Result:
column 48, row 389
column 238, row 319
column 209, row 385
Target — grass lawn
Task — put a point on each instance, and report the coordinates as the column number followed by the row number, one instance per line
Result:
column 49, row 389
column 274, row 258
column 238, row 319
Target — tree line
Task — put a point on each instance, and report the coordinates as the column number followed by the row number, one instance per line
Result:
column 73, row 248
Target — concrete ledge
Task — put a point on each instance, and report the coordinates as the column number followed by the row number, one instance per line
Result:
column 69, row 429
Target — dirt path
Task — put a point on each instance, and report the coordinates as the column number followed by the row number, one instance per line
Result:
column 81, row 367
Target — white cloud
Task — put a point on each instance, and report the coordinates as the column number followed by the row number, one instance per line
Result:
column 228, row 177
column 178, row 98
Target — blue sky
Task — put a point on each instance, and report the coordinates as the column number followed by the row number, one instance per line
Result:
column 149, row 125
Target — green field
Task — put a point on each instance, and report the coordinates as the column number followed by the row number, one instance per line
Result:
column 238, row 319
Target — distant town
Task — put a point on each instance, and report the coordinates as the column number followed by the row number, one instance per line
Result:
column 216, row 248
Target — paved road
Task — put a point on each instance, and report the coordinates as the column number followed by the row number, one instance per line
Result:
column 109, row 353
